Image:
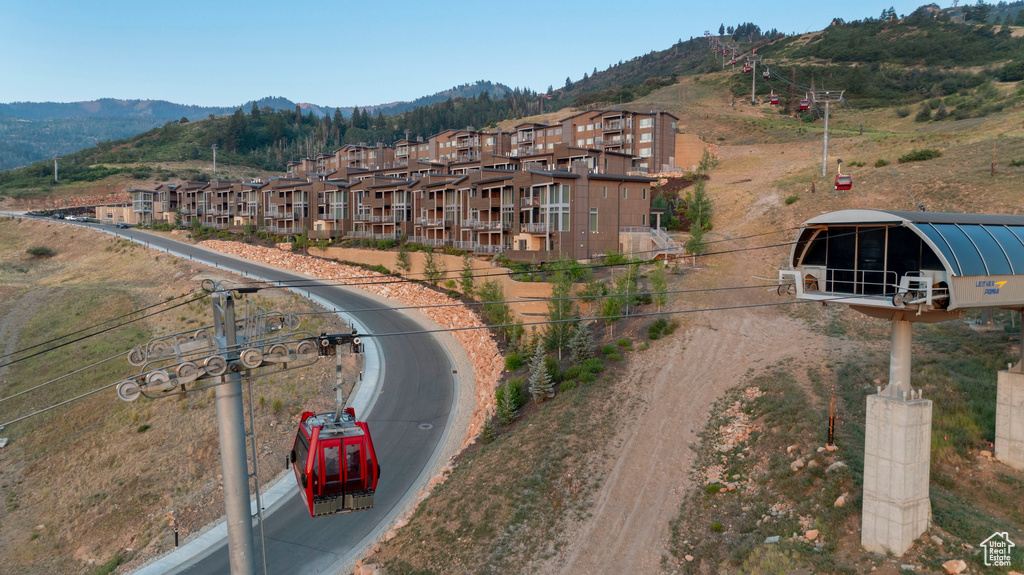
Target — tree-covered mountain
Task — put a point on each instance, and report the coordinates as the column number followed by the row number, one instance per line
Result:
column 33, row 131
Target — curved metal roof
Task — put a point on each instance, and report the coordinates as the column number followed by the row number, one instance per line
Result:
column 967, row 244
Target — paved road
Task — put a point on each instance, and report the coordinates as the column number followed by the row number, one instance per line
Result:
column 417, row 389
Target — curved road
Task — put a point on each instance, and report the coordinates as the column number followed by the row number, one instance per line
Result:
column 417, row 389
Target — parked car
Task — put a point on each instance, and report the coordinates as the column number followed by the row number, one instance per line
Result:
column 57, row 216
column 121, row 226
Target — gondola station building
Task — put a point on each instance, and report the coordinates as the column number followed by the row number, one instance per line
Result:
column 576, row 188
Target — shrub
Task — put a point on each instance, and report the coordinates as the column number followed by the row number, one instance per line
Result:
column 881, row 163
column 487, row 433
column 41, row 252
column 142, row 428
column 1015, row 163
column 902, row 112
column 587, row 377
column 567, row 385
column 643, row 345
column 712, row 488
column 925, row 114
column 919, row 155
column 857, row 164
column 551, row 365
column 624, row 342
column 614, row 357
column 572, row 372
column 513, row 361
column 655, row 330
column 716, row 527
column 791, row 199
column 593, row 365
column 608, row 349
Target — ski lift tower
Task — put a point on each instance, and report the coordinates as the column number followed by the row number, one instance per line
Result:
column 753, row 61
column 826, row 97
column 909, row 267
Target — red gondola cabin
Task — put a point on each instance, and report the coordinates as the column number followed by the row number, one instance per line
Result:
column 747, row 69
column 805, row 104
column 843, row 182
column 774, row 100
column 335, row 465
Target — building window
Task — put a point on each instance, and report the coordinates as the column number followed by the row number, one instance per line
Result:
column 604, row 191
column 590, row 127
column 646, row 137
column 579, row 143
column 646, row 123
column 645, row 152
column 590, row 141
column 579, row 128
column 643, row 219
column 593, row 219
column 643, row 194
column 625, row 192
column 488, row 141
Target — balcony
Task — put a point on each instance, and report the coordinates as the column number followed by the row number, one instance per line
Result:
column 385, row 219
column 467, row 142
column 489, row 248
column 430, row 222
column 483, row 224
column 538, row 228
column 362, row 216
column 612, row 126
column 525, row 136
column 469, row 246
column 529, row 202
column 373, row 235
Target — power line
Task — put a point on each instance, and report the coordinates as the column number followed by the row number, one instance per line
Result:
column 84, row 329
column 469, row 328
column 85, row 337
column 66, row 375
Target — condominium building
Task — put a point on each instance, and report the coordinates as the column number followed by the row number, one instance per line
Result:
column 574, row 188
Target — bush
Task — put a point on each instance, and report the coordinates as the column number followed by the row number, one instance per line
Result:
column 513, row 361
column 142, row 428
column 567, row 385
column 487, row 434
column 587, row 377
column 881, row 163
column 551, row 365
column 614, row 357
column 791, row 199
column 573, row 372
column 608, row 349
column 925, row 114
column 1016, row 163
column 624, row 342
column 41, row 252
column 593, row 365
column 920, row 155
column 902, row 112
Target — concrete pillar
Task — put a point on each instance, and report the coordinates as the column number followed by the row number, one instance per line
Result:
column 897, row 451
column 1010, row 418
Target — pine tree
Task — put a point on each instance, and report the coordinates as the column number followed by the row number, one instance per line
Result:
column 432, row 270
column 541, row 385
column 582, row 343
column 659, row 285
column 402, row 260
column 466, row 281
column 557, row 334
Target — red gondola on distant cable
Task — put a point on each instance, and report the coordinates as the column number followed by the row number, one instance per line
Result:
column 805, row 104
column 843, row 181
column 335, row 465
column 746, row 69
column 773, row 100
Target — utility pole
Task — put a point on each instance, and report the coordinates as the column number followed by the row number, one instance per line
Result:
column 753, row 78
column 826, row 97
column 231, row 427
column 198, row 360
column 214, row 159
column 55, row 170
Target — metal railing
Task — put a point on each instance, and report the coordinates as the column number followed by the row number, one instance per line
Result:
column 538, row 228
column 489, row 248
column 464, row 245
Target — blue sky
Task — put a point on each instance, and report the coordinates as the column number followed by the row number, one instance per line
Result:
column 342, row 53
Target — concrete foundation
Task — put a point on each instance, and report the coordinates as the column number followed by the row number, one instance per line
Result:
column 1010, row 418
column 897, row 450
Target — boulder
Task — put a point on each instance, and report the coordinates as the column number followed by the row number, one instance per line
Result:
column 811, row 534
column 954, row 566
column 840, row 501
column 799, row 463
